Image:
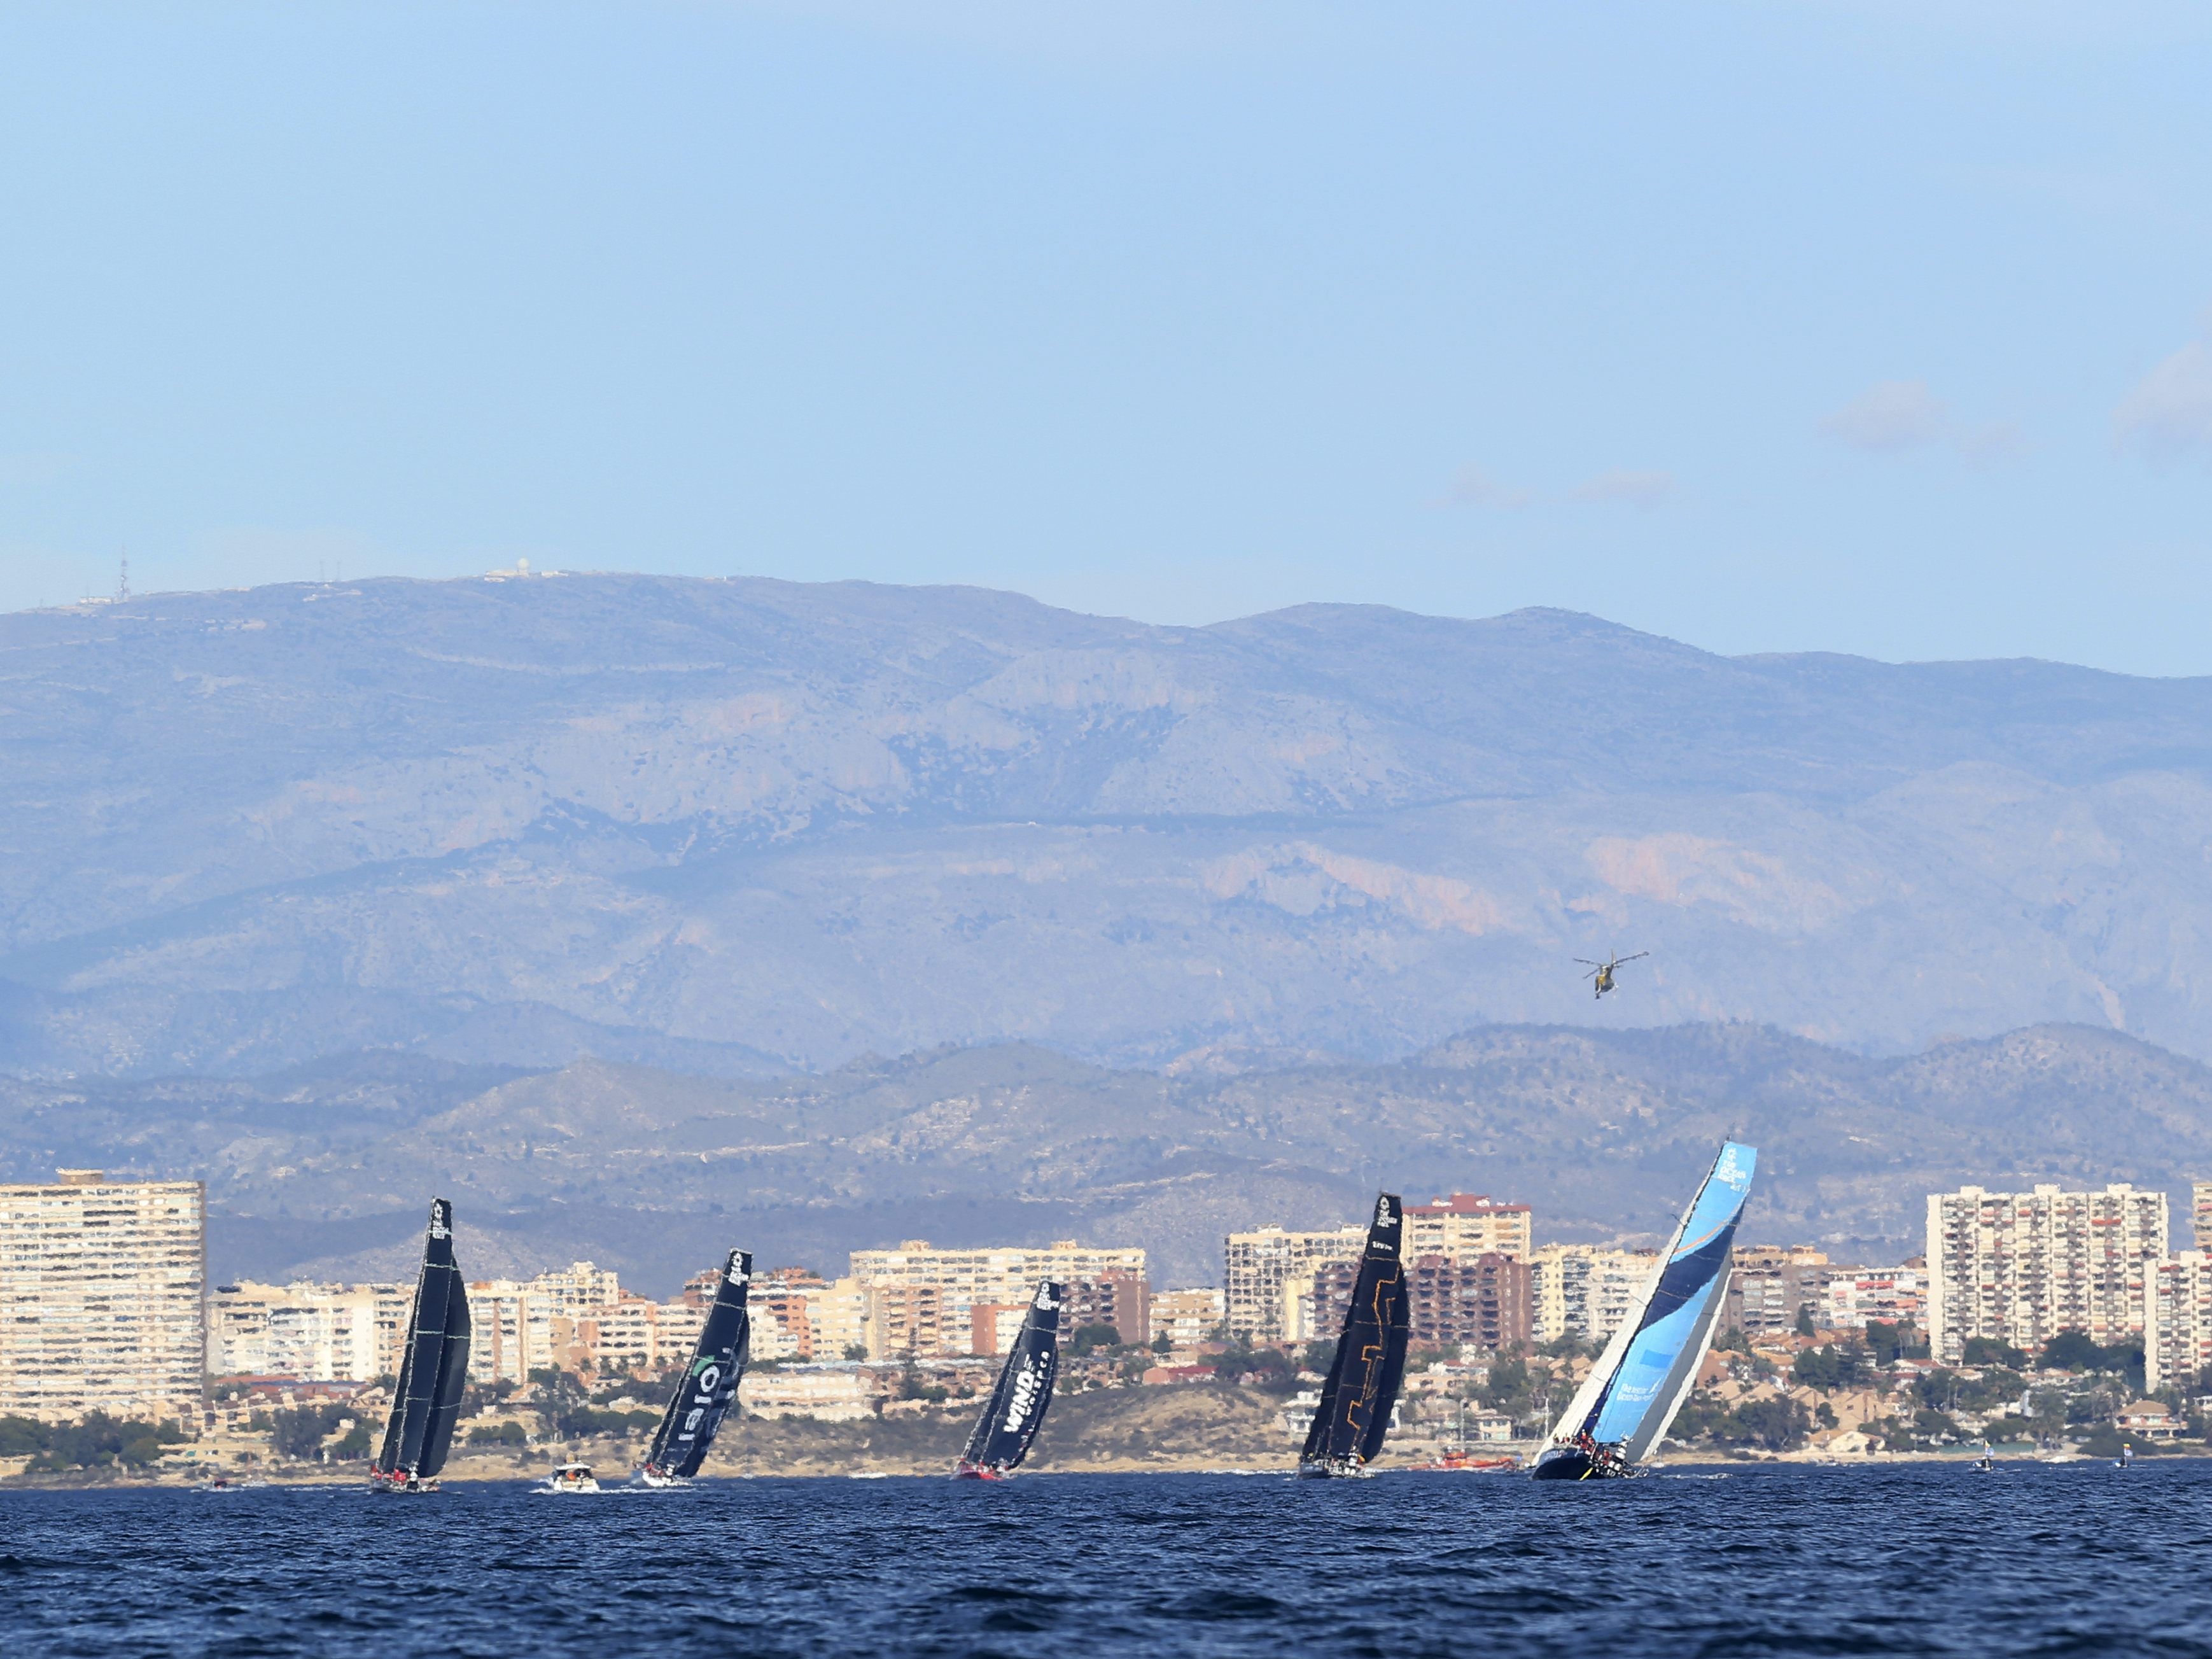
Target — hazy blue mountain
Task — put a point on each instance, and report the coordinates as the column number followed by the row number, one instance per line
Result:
column 327, row 1168
column 743, row 828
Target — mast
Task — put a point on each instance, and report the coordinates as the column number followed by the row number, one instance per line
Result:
column 1354, row 1414
column 1016, row 1409
column 1632, row 1394
column 709, row 1383
column 434, row 1368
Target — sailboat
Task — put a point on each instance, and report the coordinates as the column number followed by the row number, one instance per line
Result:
column 433, row 1372
column 1010, row 1422
column 1354, row 1413
column 1623, row 1407
column 708, row 1384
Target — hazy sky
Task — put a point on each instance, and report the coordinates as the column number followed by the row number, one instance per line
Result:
column 1883, row 328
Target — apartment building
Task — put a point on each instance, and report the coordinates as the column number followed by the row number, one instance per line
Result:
column 1188, row 1317
column 1585, row 1290
column 1008, row 1273
column 1122, row 1300
column 1769, row 1285
column 2178, row 1350
column 1853, row 1297
column 909, row 1320
column 311, row 1331
column 2023, row 1267
column 1465, row 1226
column 1482, row 1302
column 579, row 1318
column 1267, row 1270
column 102, row 1291
column 797, row 1314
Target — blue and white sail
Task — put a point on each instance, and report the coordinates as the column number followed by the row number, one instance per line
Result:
column 1639, row 1382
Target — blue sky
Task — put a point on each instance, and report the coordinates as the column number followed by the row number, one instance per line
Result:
column 1883, row 328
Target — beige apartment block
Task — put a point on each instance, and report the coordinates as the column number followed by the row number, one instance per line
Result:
column 579, row 1318
column 2022, row 1266
column 1263, row 1271
column 1001, row 1274
column 102, row 1286
column 1467, row 1225
column 1188, row 1317
column 798, row 1316
column 313, row 1332
column 910, row 1321
column 1585, row 1290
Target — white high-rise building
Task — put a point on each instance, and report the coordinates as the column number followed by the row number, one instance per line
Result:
column 2021, row 1267
column 1585, row 1290
column 1261, row 1270
column 314, row 1332
column 101, row 1291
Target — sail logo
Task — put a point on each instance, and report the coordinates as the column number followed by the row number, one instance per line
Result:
column 441, row 1219
column 709, row 1375
column 1731, row 1171
column 1023, row 1396
column 1383, row 1217
column 736, row 1271
column 1045, row 1302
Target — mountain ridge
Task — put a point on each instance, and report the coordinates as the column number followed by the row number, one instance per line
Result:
column 744, row 827
column 323, row 1170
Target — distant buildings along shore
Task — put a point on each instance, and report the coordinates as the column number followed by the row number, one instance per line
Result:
column 108, row 1308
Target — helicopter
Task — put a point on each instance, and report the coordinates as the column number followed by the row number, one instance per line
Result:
column 1602, row 972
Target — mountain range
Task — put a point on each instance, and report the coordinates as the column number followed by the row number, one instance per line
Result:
column 748, row 827
column 325, row 1171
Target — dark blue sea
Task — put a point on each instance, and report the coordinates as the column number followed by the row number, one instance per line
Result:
column 2079, row 1558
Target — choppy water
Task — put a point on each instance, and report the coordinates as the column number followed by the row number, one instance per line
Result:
column 2034, row 1559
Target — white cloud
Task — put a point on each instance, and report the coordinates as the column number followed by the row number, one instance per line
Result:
column 2168, row 415
column 1473, row 487
column 1889, row 418
column 1646, row 489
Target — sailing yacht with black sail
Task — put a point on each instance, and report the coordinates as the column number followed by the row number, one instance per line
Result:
column 708, row 1384
column 1009, row 1426
column 1356, row 1401
column 1626, row 1404
column 433, row 1371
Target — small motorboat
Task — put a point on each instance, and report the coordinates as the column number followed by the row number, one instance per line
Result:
column 1462, row 1461
column 2126, row 1459
column 571, row 1477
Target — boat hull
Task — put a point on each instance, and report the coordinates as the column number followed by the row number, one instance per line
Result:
column 1574, row 1463
column 980, row 1472
column 1334, row 1468
column 402, row 1486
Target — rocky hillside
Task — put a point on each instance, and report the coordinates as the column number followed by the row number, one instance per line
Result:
column 745, row 828
column 327, row 1170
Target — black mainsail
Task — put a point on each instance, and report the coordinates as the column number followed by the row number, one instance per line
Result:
column 1354, row 1413
column 1009, row 1426
column 434, row 1369
column 709, row 1382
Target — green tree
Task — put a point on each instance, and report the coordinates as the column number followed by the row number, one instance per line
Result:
column 2073, row 1351
column 1988, row 1350
column 1833, row 1366
column 1776, row 1423
column 1088, row 1339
